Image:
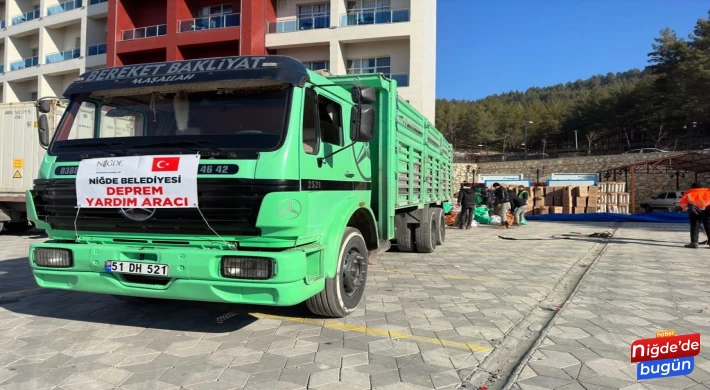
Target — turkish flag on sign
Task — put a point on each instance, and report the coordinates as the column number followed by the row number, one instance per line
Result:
column 165, row 164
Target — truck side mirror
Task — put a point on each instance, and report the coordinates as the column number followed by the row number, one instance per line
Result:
column 44, row 106
column 362, row 123
column 43, row 130
column 363, row 95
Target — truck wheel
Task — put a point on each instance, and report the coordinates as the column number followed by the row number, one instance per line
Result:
column 342, row 294
column 647, row 208
column 425, row 234
column 440, row 226
column 405, row 239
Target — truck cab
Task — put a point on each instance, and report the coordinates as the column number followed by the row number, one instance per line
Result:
column 283, row 211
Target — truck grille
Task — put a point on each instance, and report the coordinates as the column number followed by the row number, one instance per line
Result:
column 230, row 206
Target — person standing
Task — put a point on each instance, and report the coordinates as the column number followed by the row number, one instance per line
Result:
column 696, row 202
column 519, row 204
column 467, row 201
column 503, row 202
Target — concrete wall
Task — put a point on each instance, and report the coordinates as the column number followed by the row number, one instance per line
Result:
column 647, row 183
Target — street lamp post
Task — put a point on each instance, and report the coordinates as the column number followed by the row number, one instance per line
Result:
column 526, row 138
column 576, row 145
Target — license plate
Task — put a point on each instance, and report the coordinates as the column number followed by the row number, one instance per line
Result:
column 126, row 267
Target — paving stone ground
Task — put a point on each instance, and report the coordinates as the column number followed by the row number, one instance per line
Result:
column 427, row 321
column 644, row 283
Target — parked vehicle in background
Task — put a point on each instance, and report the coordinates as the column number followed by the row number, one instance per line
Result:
column 663, row 201
column 646, row 150
column 20, row 159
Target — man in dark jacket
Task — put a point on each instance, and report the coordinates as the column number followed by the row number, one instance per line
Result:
column 467, row 201
column 503, row 203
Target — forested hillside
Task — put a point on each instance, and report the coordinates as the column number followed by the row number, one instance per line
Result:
column 666, row 105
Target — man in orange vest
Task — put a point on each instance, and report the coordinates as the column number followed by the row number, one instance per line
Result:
column 696, row 202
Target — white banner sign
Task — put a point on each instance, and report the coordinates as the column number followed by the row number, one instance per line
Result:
column 138, row 182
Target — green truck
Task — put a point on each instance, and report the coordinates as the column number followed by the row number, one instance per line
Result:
column 245, row 179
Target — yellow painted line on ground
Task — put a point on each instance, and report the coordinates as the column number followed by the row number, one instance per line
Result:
column 477, row 278
column 17, row 292
column 378, row 332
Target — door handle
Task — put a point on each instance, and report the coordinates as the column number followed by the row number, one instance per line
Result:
column 349, row 175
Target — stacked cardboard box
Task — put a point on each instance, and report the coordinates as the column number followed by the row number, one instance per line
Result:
column 607, row 197
column 612, row 198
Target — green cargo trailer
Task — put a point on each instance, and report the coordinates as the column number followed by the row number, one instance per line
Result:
column 238, row 179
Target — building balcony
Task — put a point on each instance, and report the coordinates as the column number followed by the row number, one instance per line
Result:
column 299, row 24
column 24, row 63
column 97, row 49
column 62, row 56
column 2, row 24
column 2, row 68
column 144, row 32
column 374, row 17
column 92, row 2
column 26, row 17
column 64, row 7
column 209, row 23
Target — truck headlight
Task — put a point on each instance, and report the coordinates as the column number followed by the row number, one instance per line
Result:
column 254, row 268
column 53, row 258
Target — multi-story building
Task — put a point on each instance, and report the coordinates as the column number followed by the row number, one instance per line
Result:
column 394, row 37
column 46, row 44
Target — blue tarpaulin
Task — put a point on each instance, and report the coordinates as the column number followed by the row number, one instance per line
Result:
column 657, row 217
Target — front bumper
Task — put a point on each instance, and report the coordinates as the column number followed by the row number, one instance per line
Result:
column 194, row 274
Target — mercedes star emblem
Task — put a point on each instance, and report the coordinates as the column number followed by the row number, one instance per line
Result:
column 138, row 214
column 288, row 209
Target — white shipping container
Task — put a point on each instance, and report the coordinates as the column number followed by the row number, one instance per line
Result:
column 20, row 153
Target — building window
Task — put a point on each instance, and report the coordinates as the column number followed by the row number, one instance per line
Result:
column 317, row 65
column 216, row 10
column 313, row 16
column 370, row 65
column 33, row 96
column 369, row 5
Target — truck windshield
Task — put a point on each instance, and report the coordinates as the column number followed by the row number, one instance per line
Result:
column 225, row 119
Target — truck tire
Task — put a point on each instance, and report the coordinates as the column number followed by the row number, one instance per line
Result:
column 343, row 293
column 425, row 234
column 647, row 208
column 440, row 226
column 405, row 239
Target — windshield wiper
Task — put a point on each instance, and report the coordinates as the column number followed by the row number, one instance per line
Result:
column 96, row 144
column 182, row 143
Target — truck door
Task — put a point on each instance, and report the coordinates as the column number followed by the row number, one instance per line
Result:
column 324, row 123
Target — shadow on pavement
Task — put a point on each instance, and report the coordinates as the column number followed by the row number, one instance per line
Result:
column 20, row 294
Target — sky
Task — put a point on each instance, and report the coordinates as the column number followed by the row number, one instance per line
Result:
column 487, row 47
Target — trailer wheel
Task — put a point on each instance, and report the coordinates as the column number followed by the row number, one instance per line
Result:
column 440, row 226
column 426, row 234
column 405, row 239
column 343, row 293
